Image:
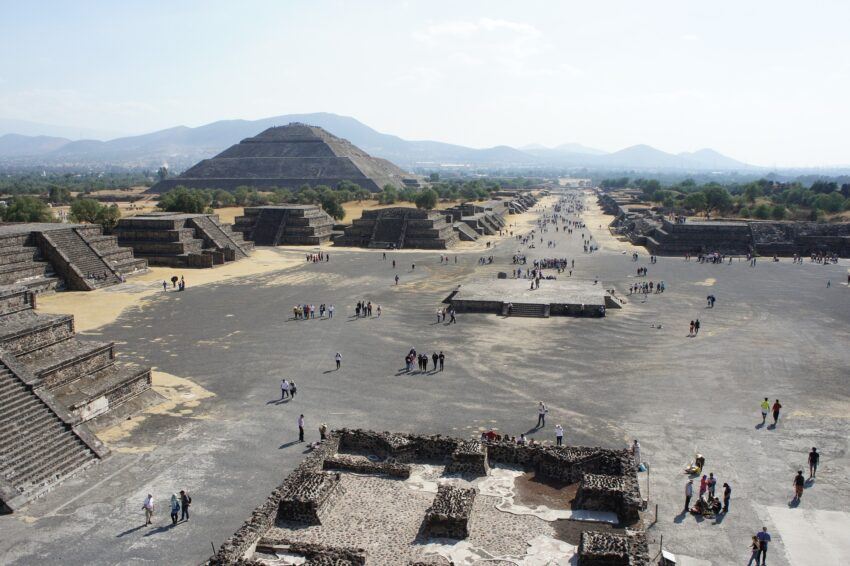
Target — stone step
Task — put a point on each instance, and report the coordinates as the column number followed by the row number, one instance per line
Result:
column 22, row 335
column 529, row 310
column 68, row 360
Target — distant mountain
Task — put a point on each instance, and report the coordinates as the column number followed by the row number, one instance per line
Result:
column 181, row 147
column 27, row 128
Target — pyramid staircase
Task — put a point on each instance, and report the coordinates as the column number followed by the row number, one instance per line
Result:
column 533, row 310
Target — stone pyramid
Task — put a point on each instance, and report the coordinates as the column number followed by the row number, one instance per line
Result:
column 289, row 157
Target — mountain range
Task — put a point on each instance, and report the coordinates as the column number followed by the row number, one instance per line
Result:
column 182, row 146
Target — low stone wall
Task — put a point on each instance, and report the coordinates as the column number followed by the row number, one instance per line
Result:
column 359, row 466
column 613, row 549
column 470, row 457
column 316, row 554
column 619, row 494
column 449, row 514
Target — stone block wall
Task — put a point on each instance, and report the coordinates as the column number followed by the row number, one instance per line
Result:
column 613, row 549
column 359, row 466
column 449, row 514
column 305, row 499
column 619, row 494
column 469, row 457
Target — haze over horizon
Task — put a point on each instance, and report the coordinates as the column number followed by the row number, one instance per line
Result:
column 761, row 82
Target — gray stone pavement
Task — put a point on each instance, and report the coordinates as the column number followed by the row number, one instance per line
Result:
column 776, row 331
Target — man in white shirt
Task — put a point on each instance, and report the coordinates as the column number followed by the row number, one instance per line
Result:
column 559, row 435
column 284, row 389
column 541, row 415
column 301, row 428
column 147, row 506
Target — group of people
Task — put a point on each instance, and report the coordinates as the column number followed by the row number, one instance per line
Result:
column 179, row 284
column 446, row 312
column 694, row 328
column 364, row 308
column 288, row 389
column 179, row 505
column 304, row 312
column 647, row 287
column 318, row 257
column 421, row 359
column 766, row 408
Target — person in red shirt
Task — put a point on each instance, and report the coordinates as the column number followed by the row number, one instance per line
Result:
column 776, row 407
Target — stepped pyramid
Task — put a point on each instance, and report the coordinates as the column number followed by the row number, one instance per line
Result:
column 288, row 157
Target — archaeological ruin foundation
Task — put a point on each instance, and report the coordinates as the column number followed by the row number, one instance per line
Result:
column 291, row 224
column 411, row 499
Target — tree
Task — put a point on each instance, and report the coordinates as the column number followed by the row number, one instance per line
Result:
column 162, row 173
column 332, row 206
column 85, row 210
column 59, row 195
column 762, row 212
column 308, row 196
column 777, row 212
column 744, row 212
column 434, row 177
column 824, row 187
column 427, row 199
column 718, row 198
column 181, row 199
column 389, row 195
column 27, row 209
column 281, row 195
column 108, row 216
column 753, row 191
column 222, row 198
column 240, row 195
column 696, row 201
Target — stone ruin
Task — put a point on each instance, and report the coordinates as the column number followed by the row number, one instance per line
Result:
column 46, row 256
column 449, row 514
column 612, row 549
column 607, row 481
column 400, row 227
column 291, row 224
column 289, row 157
column 51, row 385
column 182, row 240
column 643, row 226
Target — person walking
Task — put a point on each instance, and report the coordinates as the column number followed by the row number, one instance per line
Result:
column 754, row 552
column 691, row 330
column 442, row 360
column 814, row 458
column 175, row 508
column 776, row 408
column 765, row 408
column 435, row 357
column 185, row 502
column 764, row 539
column 727, row 494
column 301, row 428
column 396, row 279
column 338, row 359
column 696, row 327
column 284, row 389
column 636, row 452
column 323, row 431
column 799, row 484
column 689, row 493
column 292, row 389
column 559, row 435
column 147, row 507
column 541, row 414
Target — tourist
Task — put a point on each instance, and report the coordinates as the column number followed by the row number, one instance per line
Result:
column 175, row 508
column 636, row 453
column 147, row 507
column 301, row 428
column 765, row 407
column 696, row 327
column 541, row 414
column 754, row 549
column 292, row 389
column 164, row 286
column 393, row 264
column 776, row 407
column 799, row 483
column 763, row 537
column 323, row 428
column 727, row 494
column 435, row 357
column 331, row 310
column 521, row 439
column 185, row 501
column 338, row 359
column 691, row 331
column 689, row 492
column 396, row 279
column 703, row 485
column 712, row 482
column 452, row 319
column 379, row 311
column 442, row 360
column 559, row 435
column 284, row 389
column 814, row 458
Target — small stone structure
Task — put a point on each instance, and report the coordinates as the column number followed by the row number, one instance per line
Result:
column 304, row 500
column 182, row 240
column 400, row 227
column 311, row 495
column 449, row 514
column 46, row 256
column 469, row 457
column 291, row 224
column 613, row 549
column 51, row 384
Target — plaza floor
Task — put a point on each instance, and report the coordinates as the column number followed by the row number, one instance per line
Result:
column 776, row 331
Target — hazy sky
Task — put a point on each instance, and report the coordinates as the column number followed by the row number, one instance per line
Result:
column 766, row 82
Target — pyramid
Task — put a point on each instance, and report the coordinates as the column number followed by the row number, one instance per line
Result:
column 289, row 157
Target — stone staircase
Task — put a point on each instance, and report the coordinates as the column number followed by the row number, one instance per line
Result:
column 21, row 264
column 77, row 260
column 535, row 310
column 215, row 234
column 38, row 449
column 271, row 223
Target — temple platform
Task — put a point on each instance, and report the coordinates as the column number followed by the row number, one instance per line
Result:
column 513, row 297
